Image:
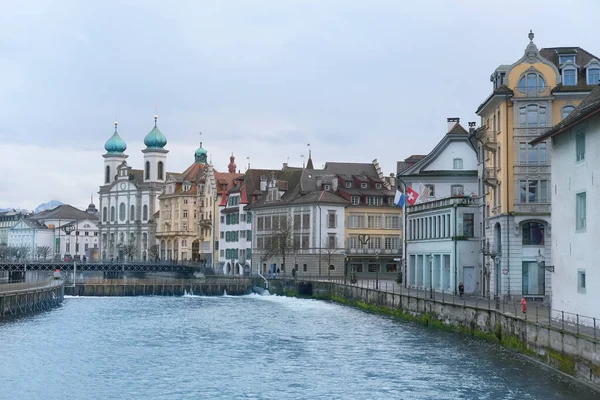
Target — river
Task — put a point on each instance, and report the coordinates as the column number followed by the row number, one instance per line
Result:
column 253, row 347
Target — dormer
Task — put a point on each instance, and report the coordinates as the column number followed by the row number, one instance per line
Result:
column 498, row 78
column 186, row 186
column 123, row 171
column 171, row 188
column 568, row 71
column 592, row 72
column 233, row 200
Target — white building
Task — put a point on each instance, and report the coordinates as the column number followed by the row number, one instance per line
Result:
column 8, row 219
column 575, row 225
column 442, row 245
column 450, row 169
column 129, row 197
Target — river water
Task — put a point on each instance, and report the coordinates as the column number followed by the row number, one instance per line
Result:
column 253, row 347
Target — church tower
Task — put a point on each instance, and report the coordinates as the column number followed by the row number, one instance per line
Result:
column 231, row 167
column 155, row 155
column 115, row 148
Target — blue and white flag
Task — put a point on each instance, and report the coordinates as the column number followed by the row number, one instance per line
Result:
column 399, row 198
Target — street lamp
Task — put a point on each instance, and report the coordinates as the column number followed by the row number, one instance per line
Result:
column 497, row 296
column 431, row 276
column 68, row 229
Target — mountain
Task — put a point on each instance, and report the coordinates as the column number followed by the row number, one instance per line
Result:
column 47, row 206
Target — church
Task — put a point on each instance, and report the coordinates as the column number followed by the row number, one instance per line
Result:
column 129, row 198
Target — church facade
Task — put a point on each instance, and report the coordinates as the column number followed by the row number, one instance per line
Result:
column 128, row 198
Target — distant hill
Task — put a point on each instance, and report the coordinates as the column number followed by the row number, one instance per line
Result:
column 47, row 206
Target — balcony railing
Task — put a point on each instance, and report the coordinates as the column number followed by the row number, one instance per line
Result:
column 490, row 176
column 532, row 208
column 488, row 140
column 373, row 252
column 532, row 91
column 449, row 201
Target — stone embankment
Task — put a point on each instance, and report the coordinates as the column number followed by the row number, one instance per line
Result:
column 573, row 353
column 18, row 299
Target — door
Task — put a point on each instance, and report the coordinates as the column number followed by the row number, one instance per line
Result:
column 469, row 279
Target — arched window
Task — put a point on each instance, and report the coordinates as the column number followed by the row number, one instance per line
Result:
column 147, row 170
column 566, row 110
column 104, row 214
column 160, row 170
column 107, row 175
column 593, row 76
column 532, row 83
column 112, row 213
column 122, row 211
column 132, row 213
column 569, row 76
column 145, row 212
column 532, row 115
column 533, row 234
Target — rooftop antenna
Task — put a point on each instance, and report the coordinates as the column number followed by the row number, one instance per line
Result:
column 200, row 133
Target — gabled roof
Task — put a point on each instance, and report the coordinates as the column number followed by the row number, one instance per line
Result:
column 582, row 57
column 588, row 107
column 64, row 211
column 457, row 129
column 30, row 223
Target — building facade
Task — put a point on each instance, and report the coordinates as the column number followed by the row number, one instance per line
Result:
column 576, row 226
column 129, row 198
column 529, row 95
column 8, row 219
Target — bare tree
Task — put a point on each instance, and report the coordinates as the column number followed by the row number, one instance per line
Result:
column 129, row 250
column 329, row 249
column 21, row 252
column 4, row 251
column 42, row 252
column 281, row 241
column 153, row 252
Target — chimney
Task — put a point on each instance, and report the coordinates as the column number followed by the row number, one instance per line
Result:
column 451, row 122
column 319, row 182
column 285, row 165
column 263, row 183
column 334, row 184
column 392, row 180
column 472, row 126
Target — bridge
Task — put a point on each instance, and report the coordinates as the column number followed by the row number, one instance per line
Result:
column 133, row 266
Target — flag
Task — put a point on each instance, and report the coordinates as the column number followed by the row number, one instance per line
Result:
column 399, row 198
column 411, row 196
column 424, row 191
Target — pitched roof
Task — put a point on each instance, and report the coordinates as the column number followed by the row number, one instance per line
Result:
column 64, row 211
column 227, row 178
column 582, row 57
column 351, row 169
column 457, row 129
column 587, row 108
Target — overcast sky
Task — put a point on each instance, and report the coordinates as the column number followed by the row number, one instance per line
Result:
column 358, row 80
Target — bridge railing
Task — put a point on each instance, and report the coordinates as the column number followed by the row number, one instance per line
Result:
column 15, row 287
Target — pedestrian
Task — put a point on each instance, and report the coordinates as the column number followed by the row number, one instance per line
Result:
column 294, row 272
column 461, row 289
column 278, row 272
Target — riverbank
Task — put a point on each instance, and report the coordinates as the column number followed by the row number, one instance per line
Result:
column 574, row 354
column 18, row 299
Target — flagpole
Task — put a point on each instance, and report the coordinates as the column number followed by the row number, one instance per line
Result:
column 404, row 259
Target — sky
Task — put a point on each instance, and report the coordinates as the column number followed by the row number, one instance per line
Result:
column 262, row 79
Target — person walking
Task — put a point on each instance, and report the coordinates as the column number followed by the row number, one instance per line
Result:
column 461, row 289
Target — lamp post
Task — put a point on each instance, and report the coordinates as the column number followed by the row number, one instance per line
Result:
column 68, row 229
column 431, row 276
column 377, row 271
column 497, row 296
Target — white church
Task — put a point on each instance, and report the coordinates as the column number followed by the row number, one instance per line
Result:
column 129, row 198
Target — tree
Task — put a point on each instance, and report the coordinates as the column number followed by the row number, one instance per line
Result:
column 3, row 251
column 21, row 252
column 153, row 252
column 42, row 252
column 281, row 242
column 129, row 250
column 329, row 249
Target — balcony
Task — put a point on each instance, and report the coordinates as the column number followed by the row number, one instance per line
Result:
column 442, row 203
column 174, row 233
column 490, row 177
column 530, row 132
column 532, row 92
column 488, row 140
column 532, row 208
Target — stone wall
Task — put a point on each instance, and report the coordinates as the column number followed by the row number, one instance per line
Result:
column 573, row 354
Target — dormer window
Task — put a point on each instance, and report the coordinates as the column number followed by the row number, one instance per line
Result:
column 564, row 59
column 569, row 74
column 363, row 185
column 348, row 184
column 187, row 186
column 378, row 186
column 592, row 71
column 327, row 187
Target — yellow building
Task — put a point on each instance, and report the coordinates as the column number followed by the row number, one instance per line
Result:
column 529, row 96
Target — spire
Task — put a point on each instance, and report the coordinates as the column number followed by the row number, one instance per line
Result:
column 309, row 164
column 231, row 167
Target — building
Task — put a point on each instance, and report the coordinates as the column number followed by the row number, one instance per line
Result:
column 298, row 222
column 575, row 226
column 129, row 198
column 223, row 183
column 528, row 96
column 443, row 245
column 450, row 169
column 373, row 223
column 185, row 220
column 8, row 219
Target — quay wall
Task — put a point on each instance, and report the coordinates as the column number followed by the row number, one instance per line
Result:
column 576, row 355
column 30, row 297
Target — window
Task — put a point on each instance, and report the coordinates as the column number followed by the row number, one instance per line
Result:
column 331, row 219
column 392, row 243
column 327, row 187
column 104, row 214
column 145, row 212
column 331, row 241
column 468, row 225
column 348, row 184
column 580, row 146
column 185, row 201
column 534, row 278
column 374, row 222
column 532, row 115
column 107, row 175
column 160, row 170
column 532, row 155
column 304, row 267
column 563, row 59
column 363, row 185
column 356, row 221
column 222, row 235
column 457, row 190
column 531, row 83
column 533, row 234
column 392, row 222
column 306, row 221
column 147, row 170
column 569, row 76
column 581, row 281
column 185, row 213
column 112, row 214
column 233, row 201
column 378, row 186
column 593, row 76
column 355, row 200
column 566, row 110
column 533, row 191
column 580, row 211
column 458, row 163
column 499, row 121
column 373, row 267
column 132, row 213
column 374, row 201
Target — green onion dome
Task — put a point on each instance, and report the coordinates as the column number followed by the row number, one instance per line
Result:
column 115, row 145
column 155, row 139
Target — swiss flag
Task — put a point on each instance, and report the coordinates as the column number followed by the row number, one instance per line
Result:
column 411, row 196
